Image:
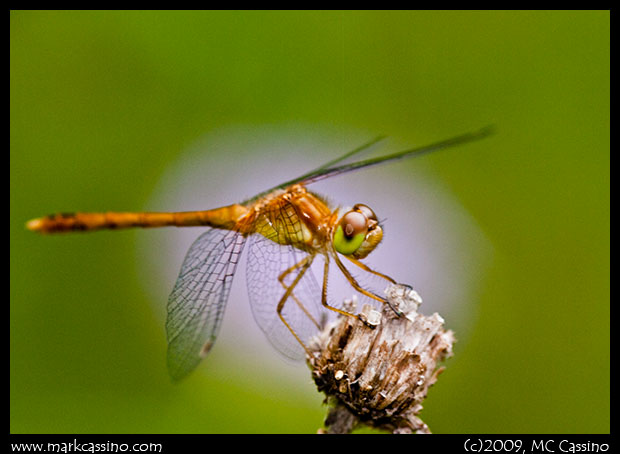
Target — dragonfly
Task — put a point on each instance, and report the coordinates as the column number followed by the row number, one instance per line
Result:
column 286, row 227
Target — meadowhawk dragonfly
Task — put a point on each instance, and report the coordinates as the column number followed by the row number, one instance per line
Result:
column 287, row 227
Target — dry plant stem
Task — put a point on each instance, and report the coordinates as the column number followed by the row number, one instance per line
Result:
column 340, row 420
column 380, row 376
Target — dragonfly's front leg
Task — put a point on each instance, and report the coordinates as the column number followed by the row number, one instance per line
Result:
column 361, row 289
column 370, row 270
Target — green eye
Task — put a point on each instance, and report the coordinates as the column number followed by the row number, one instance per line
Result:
column 350, row 233
column 347, row 246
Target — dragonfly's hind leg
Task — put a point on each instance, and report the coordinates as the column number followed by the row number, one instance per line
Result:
column 299, row 303
column 304, row 265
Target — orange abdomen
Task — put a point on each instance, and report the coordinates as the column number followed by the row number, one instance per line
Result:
column 224, row 218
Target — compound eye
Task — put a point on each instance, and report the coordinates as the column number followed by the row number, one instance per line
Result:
column 366, row 211
column 353, row 223
column 351, row 232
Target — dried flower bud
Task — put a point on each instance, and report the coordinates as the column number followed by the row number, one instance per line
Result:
column 377, row 370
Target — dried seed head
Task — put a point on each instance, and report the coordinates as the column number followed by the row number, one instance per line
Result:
column 381, row 375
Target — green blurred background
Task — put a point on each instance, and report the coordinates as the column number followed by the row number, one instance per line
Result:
column 103, row 102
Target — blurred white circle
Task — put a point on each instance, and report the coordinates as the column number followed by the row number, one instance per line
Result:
column 430, row 241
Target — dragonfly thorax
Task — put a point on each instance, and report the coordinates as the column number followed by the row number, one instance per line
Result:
column 294, row 216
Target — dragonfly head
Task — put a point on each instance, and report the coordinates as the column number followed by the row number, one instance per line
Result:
column 358, row 232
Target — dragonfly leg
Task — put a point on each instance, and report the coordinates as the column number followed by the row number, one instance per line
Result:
column 362, row 290
column 324, row 295
column 304, row 265
column 370, row 270
column 299, row 303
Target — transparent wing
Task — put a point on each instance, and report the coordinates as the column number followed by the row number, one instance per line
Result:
column 197, row 302
column 331, row 168
column 462, row 139
column 319, row 170
column 268, row 258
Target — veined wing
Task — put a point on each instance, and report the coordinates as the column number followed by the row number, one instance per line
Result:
column 321, row 168
column 197, row 302
column 330, row 169
column 268, row 258
column 418, row 151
